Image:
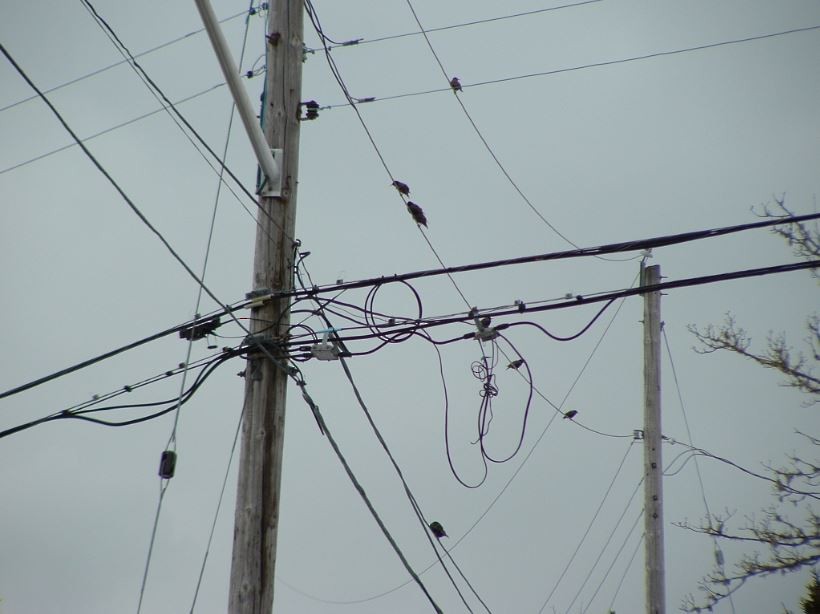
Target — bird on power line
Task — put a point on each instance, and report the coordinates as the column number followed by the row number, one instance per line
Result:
column 485, row 321
column 516, row 364
column 417, row 213
column 570, row 414
column 437, row 529
column 455, row 84
column 402, row 187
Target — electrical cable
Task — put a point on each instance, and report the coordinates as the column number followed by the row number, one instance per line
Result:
column 172, row 440
column 715, row 544
column 326, row 432
column 481, row 137
column 626, row 571
column 334, row 69
column 175, row 115
column 120, row 63
column 781, row 486
column 610, row 248
column 557, row 71
column 110, row 129
column 413, row 501
column 365, row 41
column 507, row 483
column 590, row 525
column 110, row 179
column 614, row 560
column 171, row 109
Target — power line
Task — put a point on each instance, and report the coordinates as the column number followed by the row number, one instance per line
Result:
column 715, row 543
column 547, row 73
column 455, row 89
column 110, row 179
column 119, row 63
column 365, row 41
column 110, row 129
column 326, row 432
column 590, row 525
column 610, row 248
column 334, row 69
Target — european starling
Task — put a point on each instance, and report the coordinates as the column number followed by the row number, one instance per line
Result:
column 570, row 414
column 455, row 84
column 402, row 187
column 417, row 213
column 437, row 529
column 516, row 364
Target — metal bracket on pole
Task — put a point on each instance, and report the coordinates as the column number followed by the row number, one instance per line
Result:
column 274, row 187
column 271, row 168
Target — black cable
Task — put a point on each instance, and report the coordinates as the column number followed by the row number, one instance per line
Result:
column 411, row 497
column 610, row 248
column 323, row 427
column 106, row 355
column 555, row 337
column 110, row 179
column 171, row 108
column 334, row 69
column 80, row 414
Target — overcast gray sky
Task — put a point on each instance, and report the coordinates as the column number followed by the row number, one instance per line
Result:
column 623, row 151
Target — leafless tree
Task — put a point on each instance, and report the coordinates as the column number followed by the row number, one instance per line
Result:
column 788, row 531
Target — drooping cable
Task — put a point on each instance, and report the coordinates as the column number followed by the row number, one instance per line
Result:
column 411, row 497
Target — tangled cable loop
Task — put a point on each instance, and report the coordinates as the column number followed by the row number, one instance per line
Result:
column 376, row 327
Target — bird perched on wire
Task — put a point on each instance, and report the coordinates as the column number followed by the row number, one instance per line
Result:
column 417, row 213
column 570, row 414
column 516, row 364
column 455, row 84
column 402, row 187
column 437, row 529
column 485, row 321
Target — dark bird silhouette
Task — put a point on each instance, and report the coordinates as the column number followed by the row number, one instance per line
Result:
column 455, row 84
column 516, row 364
column 402, row 187
column 570, row 414
column 485, row 321
column 437, row 529
column 417, row 213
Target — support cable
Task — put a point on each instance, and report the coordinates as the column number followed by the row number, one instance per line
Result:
column 323, row 427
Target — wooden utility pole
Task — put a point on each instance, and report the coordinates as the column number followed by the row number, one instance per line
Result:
column 653, row 466
column 263, row 422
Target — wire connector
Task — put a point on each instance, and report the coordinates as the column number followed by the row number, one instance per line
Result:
column 326, row 349
column 484, row 332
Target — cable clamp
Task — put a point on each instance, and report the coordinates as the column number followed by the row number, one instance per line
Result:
column 326, row 349
column 258, row 297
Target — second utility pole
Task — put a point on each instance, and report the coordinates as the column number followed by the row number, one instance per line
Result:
column 263, row 427
column 653, row 467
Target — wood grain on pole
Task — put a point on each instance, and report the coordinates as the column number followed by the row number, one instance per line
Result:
column 260, row 466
